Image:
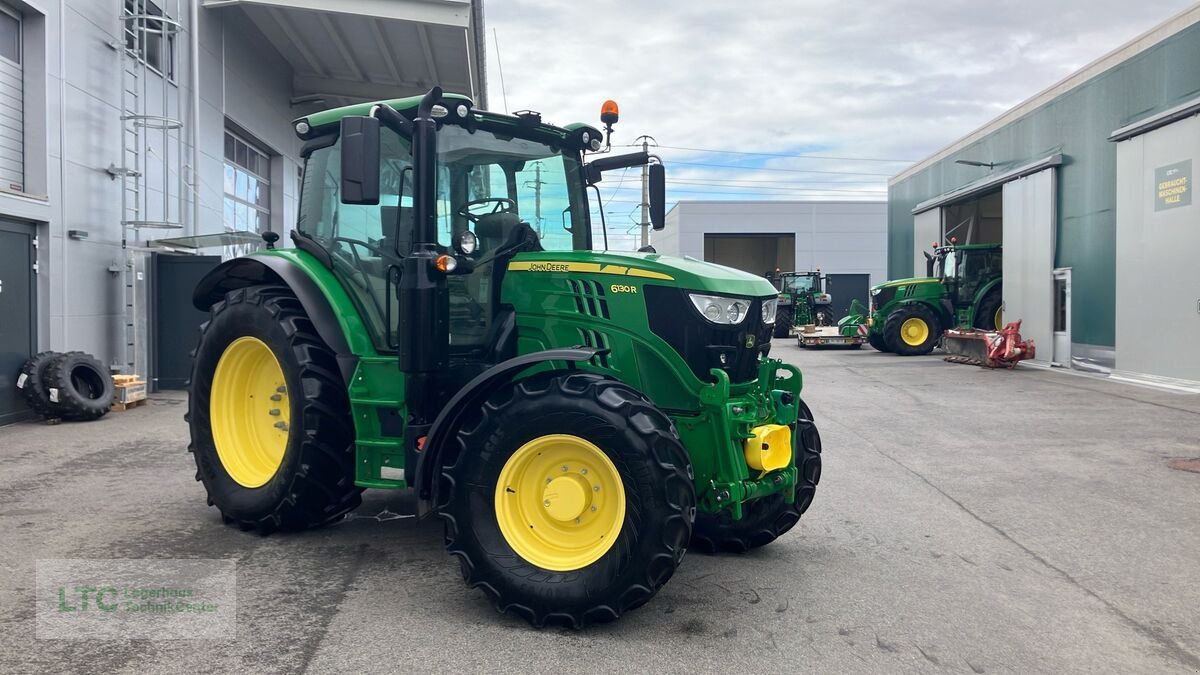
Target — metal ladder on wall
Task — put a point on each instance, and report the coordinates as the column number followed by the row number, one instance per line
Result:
column 152, row 150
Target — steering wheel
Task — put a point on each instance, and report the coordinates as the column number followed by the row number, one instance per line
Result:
column 472, row 210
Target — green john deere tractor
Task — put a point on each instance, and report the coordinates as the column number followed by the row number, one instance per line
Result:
column 802, row 301
column 577, row 417
column 962, row 289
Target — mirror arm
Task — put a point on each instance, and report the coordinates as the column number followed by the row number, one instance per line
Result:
column 392, row 119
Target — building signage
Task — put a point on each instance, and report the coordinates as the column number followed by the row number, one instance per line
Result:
column 1173, row 185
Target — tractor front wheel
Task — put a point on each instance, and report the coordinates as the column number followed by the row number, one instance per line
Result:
column 269, row 415
column 912, row 330
column 877, row 341
column 569, row 501
column 766, row 519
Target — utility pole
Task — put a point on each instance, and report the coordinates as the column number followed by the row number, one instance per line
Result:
column 537, row 184
column 646, row 191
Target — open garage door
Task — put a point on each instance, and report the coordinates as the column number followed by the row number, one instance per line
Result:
column 927, row 228
column 1029, row 241
column 754, row 253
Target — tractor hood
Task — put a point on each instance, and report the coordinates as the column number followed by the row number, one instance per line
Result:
column 682, row 272
column 897, row 283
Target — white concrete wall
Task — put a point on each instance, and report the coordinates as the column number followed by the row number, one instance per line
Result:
column 840, row 237
column 71, row 58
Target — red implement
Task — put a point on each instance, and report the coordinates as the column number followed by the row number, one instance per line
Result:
column 989, row 349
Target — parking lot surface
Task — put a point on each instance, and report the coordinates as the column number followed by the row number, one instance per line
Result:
column 967, row 521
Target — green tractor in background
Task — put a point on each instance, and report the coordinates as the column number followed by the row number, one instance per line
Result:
column 802, row 301
column 962, row 289
column 578, row 418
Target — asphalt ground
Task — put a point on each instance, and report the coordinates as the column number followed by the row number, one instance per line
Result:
column 967, row 521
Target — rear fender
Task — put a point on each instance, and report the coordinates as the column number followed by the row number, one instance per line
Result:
column 268, row 269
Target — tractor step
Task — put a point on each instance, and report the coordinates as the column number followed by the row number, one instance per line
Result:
column 989, row 349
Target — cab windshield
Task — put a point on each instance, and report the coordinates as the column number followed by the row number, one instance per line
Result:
column 797, row 284
column 490, row 184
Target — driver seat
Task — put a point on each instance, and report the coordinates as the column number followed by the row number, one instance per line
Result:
column 493, row 229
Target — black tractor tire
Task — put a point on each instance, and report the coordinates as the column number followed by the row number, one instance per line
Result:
column 314, row 483
column 824, row 316
column 985, row 316
column 876, row 340
column 783, row 323
column 655, row 472
column 79, row 387
column 891, row 330
column 32, row 383
column 766, row 519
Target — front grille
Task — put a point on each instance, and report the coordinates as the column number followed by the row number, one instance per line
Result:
column 882, row 298
column 701, row 342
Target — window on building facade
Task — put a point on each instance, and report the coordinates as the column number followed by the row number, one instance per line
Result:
column 247, row 186
column 12, row 103
column 149, row 40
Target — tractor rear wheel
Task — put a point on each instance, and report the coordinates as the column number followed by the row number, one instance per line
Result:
column 783, row 323
column 570, row 500
column 271, row 431
column 990, row 315
column 912, row 330
column 765, row 520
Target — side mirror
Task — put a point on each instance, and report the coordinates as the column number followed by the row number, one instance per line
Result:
column 360, row 160
column 658, row 196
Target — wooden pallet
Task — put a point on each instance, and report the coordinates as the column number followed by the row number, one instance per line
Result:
column 117, row 406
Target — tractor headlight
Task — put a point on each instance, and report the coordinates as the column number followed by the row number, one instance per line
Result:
column 721, row 310
column 768, row 310
column 876, row 291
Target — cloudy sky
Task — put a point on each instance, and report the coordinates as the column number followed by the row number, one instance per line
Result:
column 864, row 81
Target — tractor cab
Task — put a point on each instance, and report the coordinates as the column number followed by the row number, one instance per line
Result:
column 964, row 271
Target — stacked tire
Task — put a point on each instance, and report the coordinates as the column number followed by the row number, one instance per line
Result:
column 69, row 386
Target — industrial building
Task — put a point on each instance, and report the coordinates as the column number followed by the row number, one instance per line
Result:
column 847, row 240
column 137, row 133
column 1088, row 185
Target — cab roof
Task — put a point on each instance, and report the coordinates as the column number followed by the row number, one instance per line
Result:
column 325, row 121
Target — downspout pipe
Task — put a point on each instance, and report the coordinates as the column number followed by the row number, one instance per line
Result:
column 194, row 45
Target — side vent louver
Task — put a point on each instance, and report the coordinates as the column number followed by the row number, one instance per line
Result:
column 593, row 338
column 589, row 297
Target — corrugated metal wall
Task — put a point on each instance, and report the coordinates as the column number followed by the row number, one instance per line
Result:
column 1076, row 124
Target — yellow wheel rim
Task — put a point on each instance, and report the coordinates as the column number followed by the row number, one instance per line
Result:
column 914, row 332
column 999, row 317
column 560, row 502
column 249, row 412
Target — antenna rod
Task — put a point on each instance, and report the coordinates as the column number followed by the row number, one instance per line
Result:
column 500, row 67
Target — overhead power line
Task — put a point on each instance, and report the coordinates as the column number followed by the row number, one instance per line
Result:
column 787, row 155
column 763, row 168
column 765, row 189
